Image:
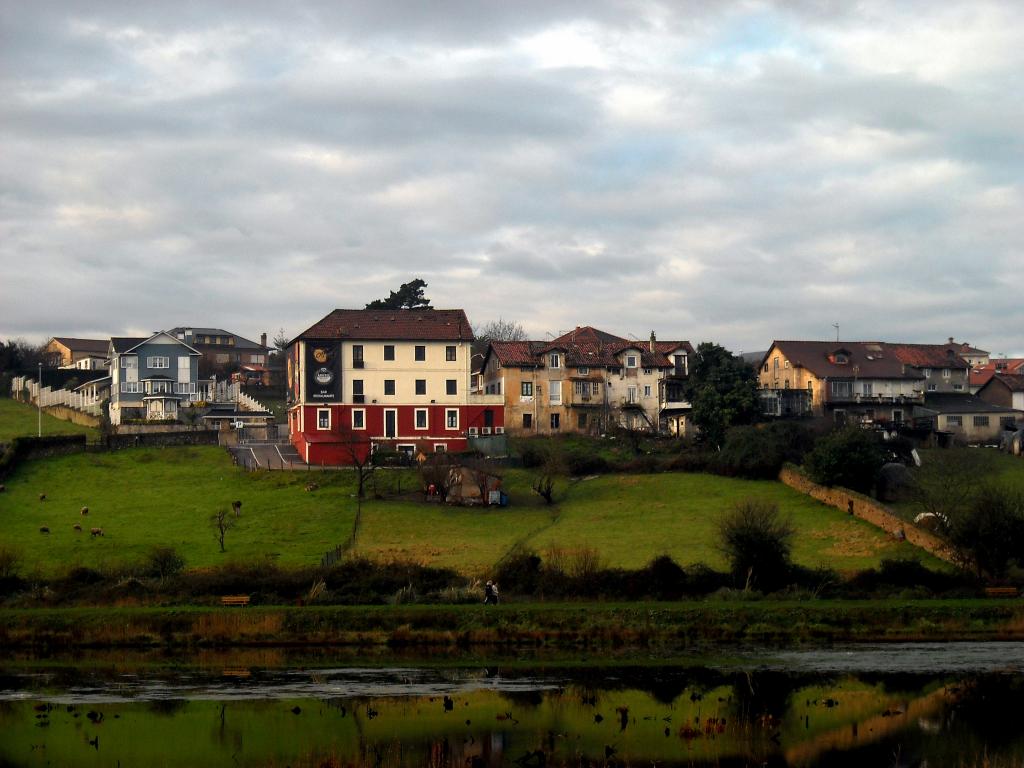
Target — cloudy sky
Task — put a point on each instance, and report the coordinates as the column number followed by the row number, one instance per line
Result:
column 733, row 171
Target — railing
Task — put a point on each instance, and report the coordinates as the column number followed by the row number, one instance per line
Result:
column 50, row 397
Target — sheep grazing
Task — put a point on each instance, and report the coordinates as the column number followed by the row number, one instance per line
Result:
column 236, row 507
column 96, row 531
column 42, row 497
column 77, row 527
column 2, row 487
column 84, row 510
column 311, row 486
column 44, row 529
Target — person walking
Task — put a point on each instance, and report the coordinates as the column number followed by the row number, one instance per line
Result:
column 490, row 593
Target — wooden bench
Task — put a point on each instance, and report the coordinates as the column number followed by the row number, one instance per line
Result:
column 242, row 600
column 1001, row 592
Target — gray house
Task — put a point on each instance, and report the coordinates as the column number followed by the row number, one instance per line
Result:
column 153, row 379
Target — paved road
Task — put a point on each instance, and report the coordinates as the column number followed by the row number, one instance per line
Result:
column 269, row 456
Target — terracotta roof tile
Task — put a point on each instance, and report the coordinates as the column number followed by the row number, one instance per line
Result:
column 396, row 324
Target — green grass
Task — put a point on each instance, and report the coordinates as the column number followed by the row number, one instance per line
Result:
column 149, row 496
column 20, row 420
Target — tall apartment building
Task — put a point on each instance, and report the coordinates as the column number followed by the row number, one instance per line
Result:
column 360, row 379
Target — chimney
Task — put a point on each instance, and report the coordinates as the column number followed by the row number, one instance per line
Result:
column 950, row 339
column 653, row 339
column 263, row 340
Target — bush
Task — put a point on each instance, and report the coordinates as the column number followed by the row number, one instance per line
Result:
column 10, row 562
column 759, row 452
column 848, row 457
column 989, row 532
column 162, row 562
column 756, row 541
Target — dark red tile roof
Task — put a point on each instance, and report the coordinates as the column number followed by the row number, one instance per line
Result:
column 980, row 376
column 589, row 351
column 929, row 355
column 99, row 346
column 871, row 359
column 587, row 334
column 392, row 324
column 1013, row 381
column 513, row 354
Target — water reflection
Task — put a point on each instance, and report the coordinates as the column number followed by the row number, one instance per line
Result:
column 910, row 705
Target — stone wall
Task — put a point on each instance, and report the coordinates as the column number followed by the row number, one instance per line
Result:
column 866, row 509
column 181, row 437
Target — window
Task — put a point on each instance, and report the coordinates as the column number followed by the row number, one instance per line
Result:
column 451, row 387
column 841, row 389
column 185, row 388
column 581, row 387
column 419, row 353
column 357, row 391
column 554, row 360
column 931, row 387
column 867, row 388
column 631, row 394
column 389, row 386
column 449, row 354
column 954, row 421
column 421, row 386
column 786, row 364
column 440, row 447
column 595, row 388
column 556, row 421
column 583, row 371
column 981, row 421
column 160, row 387
column 389, row 351
column 323, row 418
column 581, row 421
column 526, row 389
column 159, row 362
column 775, row 363
column 766, row 367
column 631, row 361
column 648, row 371
column 129, row 361
column 527, row 421
column 927, row 372
column 555, row 393
column 451, row 418
column 130, row 387
column 958, row 387
column 897, row 416
column 357, row 355
column 358, row 418
column 488, row 418
column 647, row 390
column 945, row 373
column 421, row 418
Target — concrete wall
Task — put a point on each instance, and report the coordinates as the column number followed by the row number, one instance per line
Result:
column 75, row 417
column 866, row 509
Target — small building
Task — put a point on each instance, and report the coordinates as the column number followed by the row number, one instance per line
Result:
column 1005, row 389
column 223, row 351
column 968, row 418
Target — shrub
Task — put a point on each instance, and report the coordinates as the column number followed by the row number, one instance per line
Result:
column 759, row 452
column 10, row 562
column 989, row 532
column 756, row 541
column 162, row 562
column 848, row 457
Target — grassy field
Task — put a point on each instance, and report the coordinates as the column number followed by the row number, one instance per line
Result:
column 19, row 419
column 144, row 497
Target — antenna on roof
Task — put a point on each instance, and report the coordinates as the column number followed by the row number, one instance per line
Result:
column 836, row 326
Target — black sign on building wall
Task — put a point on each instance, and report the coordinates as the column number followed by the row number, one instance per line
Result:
column 323, row 371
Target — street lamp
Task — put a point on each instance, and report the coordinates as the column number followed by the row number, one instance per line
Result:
column 39, row 400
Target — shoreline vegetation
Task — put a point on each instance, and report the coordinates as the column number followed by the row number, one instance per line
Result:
column 655, row 626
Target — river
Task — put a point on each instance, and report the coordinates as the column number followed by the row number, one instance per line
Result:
column 953, row 704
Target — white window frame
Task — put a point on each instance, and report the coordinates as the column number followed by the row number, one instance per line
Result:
column 440, row 447
column 554, row 360
column 583, row 370
column 130, row 387
column 362, row 415
column 981, row 421
column 416, row 418
column 447, row 418
column 946, row 373
column 158, row 362
column 595, row 388
column 632, row 361
column 927, row 372
column 130, row 361
column 953, row 420
column 319, row 412
column 648, row 371
column 555, row 393
column 632, row 395
column 647, row 390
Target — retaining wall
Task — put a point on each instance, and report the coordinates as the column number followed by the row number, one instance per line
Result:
column 196, row 437
column 866, row 509
column 75, row 417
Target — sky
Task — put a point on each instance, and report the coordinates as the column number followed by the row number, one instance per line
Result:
column 727, row 171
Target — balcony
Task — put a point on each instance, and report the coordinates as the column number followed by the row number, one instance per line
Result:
column 477, row 399
column 873, row 399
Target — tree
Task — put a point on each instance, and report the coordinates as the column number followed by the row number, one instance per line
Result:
column 989, row 532
column 552, row 468
column 722, row 390
column 222, row 522
column 279, row 343
column 949, row 480
column 849, row 457
column 756, row 541
column 408, row 296
column 436, row 470
column 500, row 330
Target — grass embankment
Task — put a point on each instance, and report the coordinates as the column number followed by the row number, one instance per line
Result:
column 21, row 420
column 144, row 497
column 555, row 625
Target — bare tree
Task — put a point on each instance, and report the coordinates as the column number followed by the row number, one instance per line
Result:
column 221, row 522
column 436, row 471
column 948, row 480
column 500, row 330
column 544, row 484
